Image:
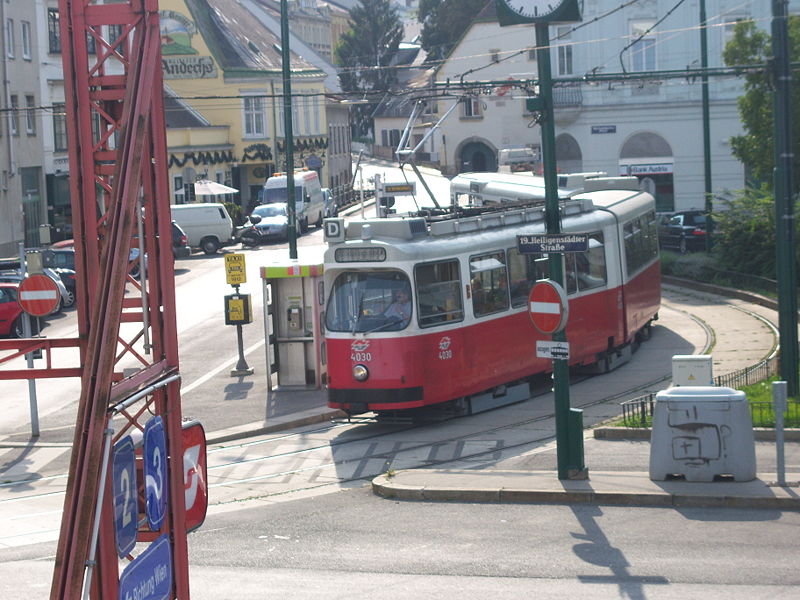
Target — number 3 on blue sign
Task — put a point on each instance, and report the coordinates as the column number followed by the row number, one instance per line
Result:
column 155, row 472
column 125, row 506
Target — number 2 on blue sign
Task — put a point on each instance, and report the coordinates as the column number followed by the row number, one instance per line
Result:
column 124, row 484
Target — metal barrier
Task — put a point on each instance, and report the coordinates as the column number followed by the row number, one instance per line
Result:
column 639, row 411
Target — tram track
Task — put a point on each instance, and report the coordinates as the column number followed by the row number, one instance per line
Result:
column 351, row 453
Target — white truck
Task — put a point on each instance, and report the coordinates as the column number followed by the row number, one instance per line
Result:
column 309, row 202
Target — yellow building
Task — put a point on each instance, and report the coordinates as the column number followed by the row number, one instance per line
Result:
column 224, row 104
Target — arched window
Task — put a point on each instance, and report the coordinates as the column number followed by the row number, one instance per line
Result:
column 569, row 158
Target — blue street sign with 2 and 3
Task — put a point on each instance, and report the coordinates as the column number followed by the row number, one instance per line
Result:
column 155, row 472
column 149, row 576
column 126, row 508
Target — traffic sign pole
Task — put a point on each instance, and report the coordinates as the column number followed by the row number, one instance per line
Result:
column 236, row 274
column 33, row 401
column 569, row 425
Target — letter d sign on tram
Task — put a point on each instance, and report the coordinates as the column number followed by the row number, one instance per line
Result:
column 548, row 307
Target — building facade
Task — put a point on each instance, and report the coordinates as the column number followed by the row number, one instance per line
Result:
column 651, row 128
column 22, row 190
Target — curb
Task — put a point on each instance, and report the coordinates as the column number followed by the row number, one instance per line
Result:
column 643, row 433
column 720, row 291
column 309, row 417
column 387, row 487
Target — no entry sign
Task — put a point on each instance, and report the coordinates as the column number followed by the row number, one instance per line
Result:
column 548, row 307
column 38, row 295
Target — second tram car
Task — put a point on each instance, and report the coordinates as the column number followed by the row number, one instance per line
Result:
column 422, row 312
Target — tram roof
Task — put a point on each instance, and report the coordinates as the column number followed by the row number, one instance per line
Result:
column 417, row 237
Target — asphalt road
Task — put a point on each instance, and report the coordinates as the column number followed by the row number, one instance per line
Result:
column 354, row 545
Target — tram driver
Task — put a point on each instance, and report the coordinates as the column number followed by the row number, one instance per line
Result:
column 400, row 309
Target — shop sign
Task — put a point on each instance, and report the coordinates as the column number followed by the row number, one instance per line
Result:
column 188, row 67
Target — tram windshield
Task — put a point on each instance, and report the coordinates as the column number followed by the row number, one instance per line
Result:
column 362, row 302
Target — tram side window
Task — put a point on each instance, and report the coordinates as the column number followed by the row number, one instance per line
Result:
column 590, row 267
column 523, row 271
column 439, row 293
column 489, row 283
column 641, row 243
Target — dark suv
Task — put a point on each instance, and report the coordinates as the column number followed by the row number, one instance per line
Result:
column 180, row 243
column 683, row 231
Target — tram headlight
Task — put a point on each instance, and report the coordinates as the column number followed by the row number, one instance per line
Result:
column 360, row 373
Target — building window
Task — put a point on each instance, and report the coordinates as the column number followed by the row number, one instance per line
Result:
column 307, row 114
column 471, row 108
column 114, row 33
column 53, row 31
column 254, row 116
column 91, row 43
column 643, row 50
column 177, row 183
column 59, row 128
column 10, row 38
column 13, row 125
column 30, row 115
column 26, row 40
column 564, row 45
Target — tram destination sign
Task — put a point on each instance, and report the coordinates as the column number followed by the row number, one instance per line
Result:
column 552, row 242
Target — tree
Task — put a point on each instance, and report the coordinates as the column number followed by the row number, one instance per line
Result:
column 364, row 52
column 744, row 233
column 750, row 46
column 443, row 23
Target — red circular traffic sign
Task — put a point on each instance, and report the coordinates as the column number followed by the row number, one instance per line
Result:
column 38, row 295
column 548, row 307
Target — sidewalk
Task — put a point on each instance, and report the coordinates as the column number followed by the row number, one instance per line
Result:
column 618, row 475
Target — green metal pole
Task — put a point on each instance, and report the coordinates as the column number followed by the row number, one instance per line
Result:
column 784, row 210
column 709, row 204
column 287, row 127
column 569, row 429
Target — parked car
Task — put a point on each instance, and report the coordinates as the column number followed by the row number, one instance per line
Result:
column 331, row 210
column 180, row 242
column 684, row 231
column 62, row 262
column 270, row 221
column 10, row 311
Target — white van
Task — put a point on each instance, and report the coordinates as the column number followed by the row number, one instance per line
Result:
column 514, row 160
column 207, row 226
column 309, row 206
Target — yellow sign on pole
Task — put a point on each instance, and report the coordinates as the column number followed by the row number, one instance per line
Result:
column 235, row 272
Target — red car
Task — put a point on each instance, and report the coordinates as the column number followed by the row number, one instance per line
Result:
column 10, row 311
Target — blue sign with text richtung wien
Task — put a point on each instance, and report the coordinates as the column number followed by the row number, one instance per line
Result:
column 149, row 576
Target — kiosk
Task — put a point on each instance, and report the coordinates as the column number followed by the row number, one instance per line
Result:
column 294, row 301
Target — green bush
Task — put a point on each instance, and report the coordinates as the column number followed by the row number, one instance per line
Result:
column 744, row 233
column 235, row 211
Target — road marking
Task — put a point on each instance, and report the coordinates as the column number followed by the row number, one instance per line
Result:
column 222, row 367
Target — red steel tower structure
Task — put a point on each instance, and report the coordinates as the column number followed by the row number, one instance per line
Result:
column 127, row 328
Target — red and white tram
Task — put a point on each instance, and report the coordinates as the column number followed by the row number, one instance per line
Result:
column 468, row 334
